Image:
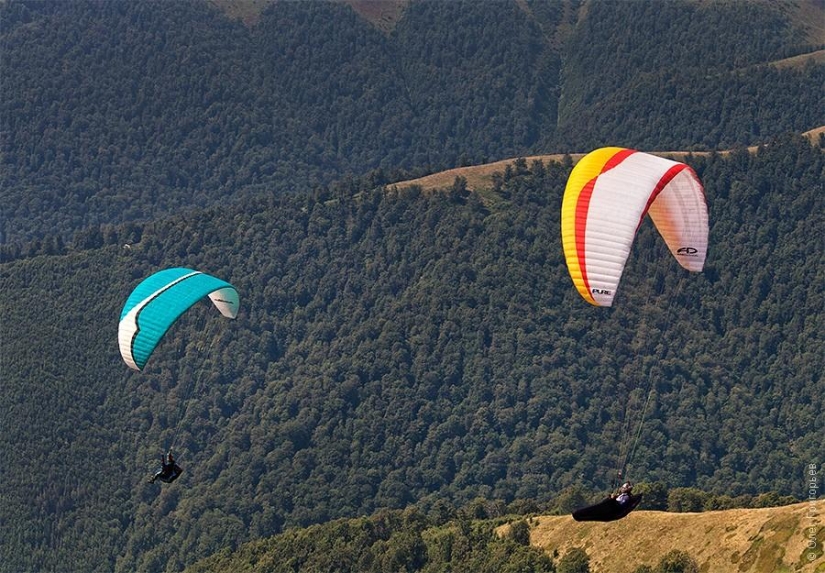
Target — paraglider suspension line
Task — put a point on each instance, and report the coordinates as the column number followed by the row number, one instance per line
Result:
column 627, row 451
column 629, row 456
column 184, row 405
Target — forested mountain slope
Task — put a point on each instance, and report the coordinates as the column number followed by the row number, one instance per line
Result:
column 127, row 111
column 130, row 110
column 398, row 348
column 683, row 74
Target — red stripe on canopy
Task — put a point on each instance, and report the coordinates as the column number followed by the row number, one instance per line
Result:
column 666, row 178
column 583, row 205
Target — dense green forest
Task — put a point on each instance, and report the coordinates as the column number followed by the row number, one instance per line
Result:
column 666, row 74
column 127, row 111
column 402, row 348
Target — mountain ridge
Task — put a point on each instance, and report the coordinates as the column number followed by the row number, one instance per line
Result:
column 479, row 178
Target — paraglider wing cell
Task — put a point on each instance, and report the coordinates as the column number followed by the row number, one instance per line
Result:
column 158, row 301
column 607, row 196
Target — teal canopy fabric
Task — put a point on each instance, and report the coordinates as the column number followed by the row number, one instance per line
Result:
column 158, row 301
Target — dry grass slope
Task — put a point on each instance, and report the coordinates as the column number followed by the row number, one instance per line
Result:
column 248, row 11
column 480, row 177
column 383, row 14
column 769, row 540
column 817, row 57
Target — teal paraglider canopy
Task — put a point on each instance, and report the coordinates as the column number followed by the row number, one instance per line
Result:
column 159, row 300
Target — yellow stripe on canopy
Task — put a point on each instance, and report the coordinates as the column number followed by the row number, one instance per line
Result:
column 590, row 166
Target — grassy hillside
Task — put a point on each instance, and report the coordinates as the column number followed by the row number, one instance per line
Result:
column 383, row 14
column 478, row 178
column 817, row 57
column 768, row 540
